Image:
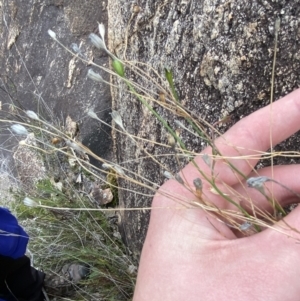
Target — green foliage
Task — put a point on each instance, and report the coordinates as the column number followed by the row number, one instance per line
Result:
column 169, row 77
column 59, row 237
column 118, row 67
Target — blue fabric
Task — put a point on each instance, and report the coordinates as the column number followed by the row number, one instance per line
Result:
column 13, row 239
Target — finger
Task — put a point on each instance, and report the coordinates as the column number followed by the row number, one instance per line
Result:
column 256, row 203
column 285, row 232
column 254, row 133
column 291, row 224
column 285, row 191
column 244, row 139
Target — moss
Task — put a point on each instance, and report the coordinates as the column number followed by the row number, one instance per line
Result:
column 112, row 181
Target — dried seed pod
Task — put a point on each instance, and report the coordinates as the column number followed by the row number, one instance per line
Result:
column 162, row 97
column 93, row 115
column 29, row 202
column 136, row 9
column 206, row 160
column 75, row 146
column 171, row 140
column 168, row 175
column 257, row 182
column 75, row 48
column 106, row 166
column 117, row 119
column 19, row 129
column 198, row 185
column 118, row 169
column 32, row 115
column 52, row 34
column 245, row 226
column 94, row 76
column 79, row 178
column 101, row 28
column 97, row 41
column 56, row 140
column 179, row 179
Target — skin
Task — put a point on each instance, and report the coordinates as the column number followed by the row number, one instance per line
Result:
column 190, row 255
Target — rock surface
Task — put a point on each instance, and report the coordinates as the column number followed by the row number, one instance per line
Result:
column 38, row 74
column 221, row 54
column 29, row 164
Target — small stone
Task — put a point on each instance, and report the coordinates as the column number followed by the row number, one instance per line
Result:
column 101, row 196
column 71, row 127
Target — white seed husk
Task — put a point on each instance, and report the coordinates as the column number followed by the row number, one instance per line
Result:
column 19, row 129
column 168, row 175
column 92, row 114
column 97, row 41
column 52, row 34
column 94, row 76
column 32, row 115
column 117, row 119
column 101, row 30
column 29, row 202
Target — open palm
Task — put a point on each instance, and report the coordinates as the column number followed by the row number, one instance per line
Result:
column 190, row 255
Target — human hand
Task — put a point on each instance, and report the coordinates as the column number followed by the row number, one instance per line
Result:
column 189, row 254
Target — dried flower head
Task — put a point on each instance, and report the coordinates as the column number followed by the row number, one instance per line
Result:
column 19, row 129
column 198, row 184
column 52, row 34
column 75, row 48
column 245, row 226
column 101, row 28
column 136, row 9
column 22, row 142
column 117, row 119
column 75, row 146
column 207, row 160
column 106, row 166
column 118, row 169
column 168, row 175
column 257, row 182
column 30, row 203
column 171, row 140
column 94, row 76
column 180, row 124
column 92, row 114
column 179, row 179
column 97, row 41
column 32, row 115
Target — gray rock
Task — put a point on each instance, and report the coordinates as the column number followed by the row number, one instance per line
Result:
column 38, row 74
column 221, row 54
column 29, row 163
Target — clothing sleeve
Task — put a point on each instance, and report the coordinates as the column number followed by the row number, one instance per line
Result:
column 13, row 239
